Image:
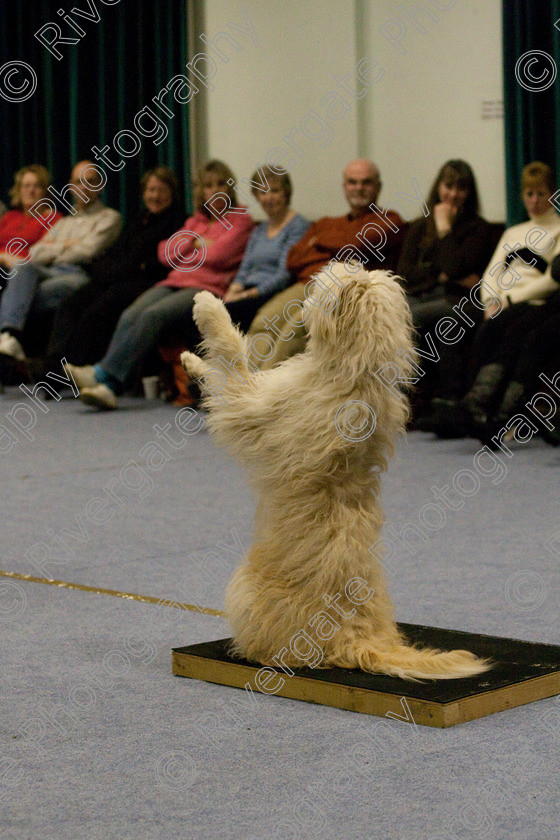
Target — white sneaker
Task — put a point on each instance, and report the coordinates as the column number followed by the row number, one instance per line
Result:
column 84, row 377
column 10, row 346
column 100, row 396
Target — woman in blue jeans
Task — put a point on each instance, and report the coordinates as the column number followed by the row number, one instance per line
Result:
column 204, row 254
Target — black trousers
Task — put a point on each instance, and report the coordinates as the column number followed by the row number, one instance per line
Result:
column 84, row 324
column 524, row 338
column 446, row 378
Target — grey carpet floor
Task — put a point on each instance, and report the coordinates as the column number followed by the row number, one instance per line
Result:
column 100, row 741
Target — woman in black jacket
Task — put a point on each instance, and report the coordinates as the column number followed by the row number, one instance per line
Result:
column 85, row 322
column 443, row 257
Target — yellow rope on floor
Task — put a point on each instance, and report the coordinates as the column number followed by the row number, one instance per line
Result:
column 129, row 596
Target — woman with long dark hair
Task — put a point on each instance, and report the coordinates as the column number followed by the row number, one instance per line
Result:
column 443, row 257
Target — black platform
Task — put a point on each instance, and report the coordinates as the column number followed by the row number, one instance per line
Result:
column 522, row 672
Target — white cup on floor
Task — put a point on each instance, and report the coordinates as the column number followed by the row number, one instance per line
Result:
column 151, row 387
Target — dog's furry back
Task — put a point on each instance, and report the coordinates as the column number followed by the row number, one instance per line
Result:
column 315, row 433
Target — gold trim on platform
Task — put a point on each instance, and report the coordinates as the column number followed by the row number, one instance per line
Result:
column 370, row 701
column 129, row 596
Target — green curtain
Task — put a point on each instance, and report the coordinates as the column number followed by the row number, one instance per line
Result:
column 93, row 90
column 531, row 61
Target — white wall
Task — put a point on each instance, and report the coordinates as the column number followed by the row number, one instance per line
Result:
column 427, row 108
column 423, row 81
column 271, row 95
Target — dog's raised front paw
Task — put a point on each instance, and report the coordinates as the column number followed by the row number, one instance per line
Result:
column 209, row 310
column 195, row 367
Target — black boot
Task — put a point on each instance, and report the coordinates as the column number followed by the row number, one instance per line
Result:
column 449, row 418
column 512, row 403
column 483, row 392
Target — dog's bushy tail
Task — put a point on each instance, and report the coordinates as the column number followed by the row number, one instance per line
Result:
column 411, row 663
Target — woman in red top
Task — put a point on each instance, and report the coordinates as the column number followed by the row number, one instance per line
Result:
column 18, row 226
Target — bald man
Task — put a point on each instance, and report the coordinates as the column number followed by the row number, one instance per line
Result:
column 56, row 262
column 367, row 233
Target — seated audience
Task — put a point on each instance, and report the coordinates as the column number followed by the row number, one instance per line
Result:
column 443, row 257
column 323, row 241
column 85, row 321
column 211, row 249
column 30, row 186
column 516, row 284
column 263, row 270
column 56, row 262
column 532, row 347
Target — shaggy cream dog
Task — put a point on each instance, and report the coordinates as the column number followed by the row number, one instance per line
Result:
column 316, row 432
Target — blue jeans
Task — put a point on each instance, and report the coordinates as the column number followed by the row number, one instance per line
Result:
column 42, row 287
column 142, row 328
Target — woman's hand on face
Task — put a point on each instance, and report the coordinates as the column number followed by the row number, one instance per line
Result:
column 495, row 307
column 444, row 216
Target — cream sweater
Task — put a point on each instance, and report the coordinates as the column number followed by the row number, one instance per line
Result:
column 519, row 280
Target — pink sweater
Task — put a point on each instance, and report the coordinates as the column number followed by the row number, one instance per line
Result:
column 214, row 269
